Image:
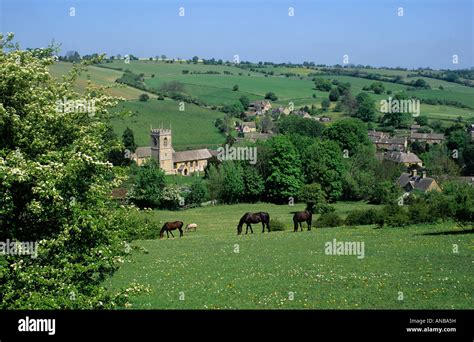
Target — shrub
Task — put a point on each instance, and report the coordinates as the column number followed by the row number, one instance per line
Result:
column 144, row 97
column 363, row 217
column 329, row 219
column 198, row 193
column 277, row 225
column 395, row 215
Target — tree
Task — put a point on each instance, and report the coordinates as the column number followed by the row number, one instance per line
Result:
column 148, row 186
column 55, row 187
column 244, row 100
column 349, row 134
column 314, row 197
column 266, row 123
column 284, row 170
column 144, row 97
column 233, row 183
column 322, row 84
column 128, row 140
column 235, row 87
column 365, row 107
column 325, row 104
column 299, row 125
column 421, row 120
column 195, row 59
column 254, row 184
column 271, row 96
column 349, row 103
column 197, row 193
column 468, row 156
column 333, row 95
column 377, row 88
column 323, row 163
column 215, row 181
column 235, row 109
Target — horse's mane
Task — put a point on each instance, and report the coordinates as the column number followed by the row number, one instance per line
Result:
column 242, row 219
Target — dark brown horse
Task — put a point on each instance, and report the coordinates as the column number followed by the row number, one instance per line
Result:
column 249, row 218
column 169, row 226
column 302, row 216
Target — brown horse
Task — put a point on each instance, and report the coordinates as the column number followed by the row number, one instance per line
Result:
column 169, row 226
column 302, row 216
column 249, row 218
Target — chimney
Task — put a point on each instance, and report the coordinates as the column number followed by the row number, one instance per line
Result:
column 414, row 172
column 423, row 174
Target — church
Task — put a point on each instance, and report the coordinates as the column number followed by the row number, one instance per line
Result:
column 171, row 162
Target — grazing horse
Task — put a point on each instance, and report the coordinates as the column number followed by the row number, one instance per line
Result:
column 191, row 226
column 302, row 216
column 249, row 218
column 169, row 226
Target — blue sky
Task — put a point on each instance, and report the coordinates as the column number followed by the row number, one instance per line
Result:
column 322, row 31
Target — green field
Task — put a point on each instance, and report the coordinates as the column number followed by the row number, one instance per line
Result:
column 203, row 270
column 192, row 128
column 99, row 77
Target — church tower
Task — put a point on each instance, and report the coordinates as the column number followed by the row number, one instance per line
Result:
column 161, row 149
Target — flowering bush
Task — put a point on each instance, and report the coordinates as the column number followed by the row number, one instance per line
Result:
column 54, row 186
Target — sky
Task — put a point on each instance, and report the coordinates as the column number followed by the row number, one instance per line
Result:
column 369, row 32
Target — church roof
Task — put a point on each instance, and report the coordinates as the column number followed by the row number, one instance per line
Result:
column 191, row 155
column 143, row 152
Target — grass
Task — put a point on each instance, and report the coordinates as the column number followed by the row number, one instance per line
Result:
column 99, row 77
column 192, row 128
column 205, row 267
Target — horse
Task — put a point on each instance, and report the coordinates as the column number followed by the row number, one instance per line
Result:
column 302, row 216
column 191, row 226
column 169, row 226
column 249, row 218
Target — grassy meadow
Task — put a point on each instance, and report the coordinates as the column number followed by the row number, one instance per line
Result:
column 192, row 128
column 215, row 268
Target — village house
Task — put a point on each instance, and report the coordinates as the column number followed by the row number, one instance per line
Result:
column 254, row 136
column 322, row 119
column 260, row 107
column 247, row 127
column 384, row 142
column 415, row 128
column 430, row 138
column 412, row 181
column 405, row 158
column 471, row 131
column 279, row 111
column 170, row 161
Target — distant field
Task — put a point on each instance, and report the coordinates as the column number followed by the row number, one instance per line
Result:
column 98, row 76
column 217, row 89
column 205, row 269
column 192, row 128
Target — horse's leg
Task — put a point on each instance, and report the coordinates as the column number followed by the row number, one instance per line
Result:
column 180, row 232
column 309, row 224
column 167, row 234
column 171, row 232
column 263, row 227
column 251, row 230
column 295, row 226
column 301, row 226
column 246, row 229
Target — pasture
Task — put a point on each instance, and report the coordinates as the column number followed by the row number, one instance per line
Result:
column 98, row 77
column 216, row 269
column 192, row 128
